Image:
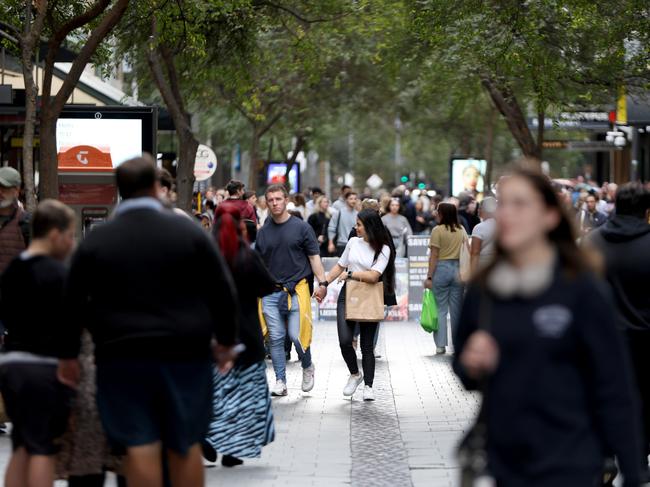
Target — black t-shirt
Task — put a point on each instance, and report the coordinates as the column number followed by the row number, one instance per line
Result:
column 286, row 248
column 32, row 308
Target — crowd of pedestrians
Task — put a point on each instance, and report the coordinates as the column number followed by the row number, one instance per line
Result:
column 116, row 370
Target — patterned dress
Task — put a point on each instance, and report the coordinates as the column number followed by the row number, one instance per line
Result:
column 243, row 418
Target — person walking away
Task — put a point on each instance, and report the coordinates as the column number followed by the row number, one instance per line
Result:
column 624, row 241
column 589, row 217
column 342, row 224
column 482, row 249
column 36, row 396
column 242, row 418
column 556, row 372
column 153, row 344
column 14, row 221
column 444, row 267
column 236, row 192
column 319, row 221
column 366, row 258
column 398, row 226
column 290, row 251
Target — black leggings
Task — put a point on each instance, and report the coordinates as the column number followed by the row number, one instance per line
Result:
column 366, row 339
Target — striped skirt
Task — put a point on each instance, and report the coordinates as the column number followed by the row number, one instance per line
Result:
column 242, row 421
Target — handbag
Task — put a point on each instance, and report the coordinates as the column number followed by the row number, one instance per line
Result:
column 465, row 261
column 472, row 450
column 364, row 301
column 429, row 316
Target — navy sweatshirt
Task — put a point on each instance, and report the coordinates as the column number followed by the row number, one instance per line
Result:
column 152, row 285
column 562, row 396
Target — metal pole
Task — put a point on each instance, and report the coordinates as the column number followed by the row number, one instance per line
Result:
column 2, row 80
column 398, row 149
column 634, row 163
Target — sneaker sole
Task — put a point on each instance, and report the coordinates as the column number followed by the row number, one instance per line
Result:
column 355, row 389
column 276, row 394
column 308, row 389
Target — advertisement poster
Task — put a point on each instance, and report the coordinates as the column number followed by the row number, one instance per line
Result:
column 468, row 175
column 277, row 172
column 401, row 311
column 99, row 144
column 418, row 251
column 327, row 309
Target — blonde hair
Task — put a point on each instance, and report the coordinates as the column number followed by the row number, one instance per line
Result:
column 318, row 208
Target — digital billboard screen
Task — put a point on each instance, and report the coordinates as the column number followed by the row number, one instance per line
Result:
column 467, row 175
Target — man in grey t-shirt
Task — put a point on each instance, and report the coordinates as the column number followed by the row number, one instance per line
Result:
column 342, row 224
column 483, row 236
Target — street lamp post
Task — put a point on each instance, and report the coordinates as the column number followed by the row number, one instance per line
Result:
column 398, row 149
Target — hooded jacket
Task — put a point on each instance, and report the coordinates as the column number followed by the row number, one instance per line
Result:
column 625, row 243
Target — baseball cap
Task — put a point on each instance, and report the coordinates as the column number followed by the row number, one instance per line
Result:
column 9, row 177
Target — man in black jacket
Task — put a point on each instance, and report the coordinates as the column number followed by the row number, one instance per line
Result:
column 625, row 243
column 154, row 291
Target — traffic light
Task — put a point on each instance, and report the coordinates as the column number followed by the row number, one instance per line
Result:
column 422, row 186
column 404, row 179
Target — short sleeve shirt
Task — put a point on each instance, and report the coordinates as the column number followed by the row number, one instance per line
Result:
column 485, row 231
column 359, row 256
column 286, row 248
column 447, row 242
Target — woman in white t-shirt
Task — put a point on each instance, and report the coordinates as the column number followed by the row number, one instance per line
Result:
column 367, row 258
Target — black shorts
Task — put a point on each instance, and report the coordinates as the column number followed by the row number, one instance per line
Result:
column 37, row 404
column 142, row 402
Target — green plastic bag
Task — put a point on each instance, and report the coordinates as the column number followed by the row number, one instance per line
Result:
column 429, row 317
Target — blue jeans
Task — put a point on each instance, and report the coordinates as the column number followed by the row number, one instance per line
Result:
column 448, row 292
column 279, row 319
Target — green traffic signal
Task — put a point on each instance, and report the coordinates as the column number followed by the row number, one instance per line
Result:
column 422, row 186
column 405, row 179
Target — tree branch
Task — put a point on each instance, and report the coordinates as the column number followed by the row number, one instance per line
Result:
column 98, row 34
column 60, row 35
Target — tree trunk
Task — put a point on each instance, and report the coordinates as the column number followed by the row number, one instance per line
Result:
column 255, row 164
column 489, row 149
column 506, row 102
column 28, row 42
column 49, row 170
column 540, row 133
column 291, row 161
column 187, row 147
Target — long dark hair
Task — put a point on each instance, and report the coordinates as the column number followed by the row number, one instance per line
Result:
column 378, row 236
column 562, row 237
column 449, row 216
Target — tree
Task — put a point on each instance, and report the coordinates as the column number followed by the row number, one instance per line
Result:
column 92, row 23
column 539, row 54
column 29, row 40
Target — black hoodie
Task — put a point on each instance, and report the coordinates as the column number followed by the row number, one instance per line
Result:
column 625, row 243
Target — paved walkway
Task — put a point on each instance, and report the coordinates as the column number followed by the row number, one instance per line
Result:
column 405, row 438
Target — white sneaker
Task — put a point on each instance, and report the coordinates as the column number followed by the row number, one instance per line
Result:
column 280, row 388
column 368, row 394
column 441, row 350
column 308, row 378
column 353, row 383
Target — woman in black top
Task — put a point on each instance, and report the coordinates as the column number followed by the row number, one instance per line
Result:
column 537, row 333
column 319, row 220
column 242, row 417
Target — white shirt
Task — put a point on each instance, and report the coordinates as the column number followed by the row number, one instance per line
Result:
column 359, row 256
column 486, row 233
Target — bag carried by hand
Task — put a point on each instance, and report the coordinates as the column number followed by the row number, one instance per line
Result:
column 364, row 301
column 464, row 261
column 429, row 317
